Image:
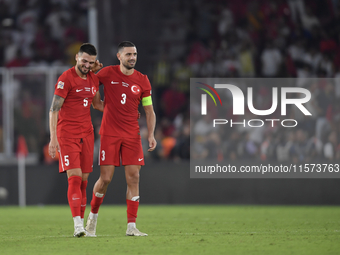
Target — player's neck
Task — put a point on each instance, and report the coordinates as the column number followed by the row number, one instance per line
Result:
column 80, row 74
column 126, row 71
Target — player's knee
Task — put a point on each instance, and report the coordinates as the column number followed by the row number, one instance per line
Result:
column 133, row 178
column 105, row 180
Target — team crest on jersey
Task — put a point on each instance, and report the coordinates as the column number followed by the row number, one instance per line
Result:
column 94, row 90
column 135, row 89
column 60, row 85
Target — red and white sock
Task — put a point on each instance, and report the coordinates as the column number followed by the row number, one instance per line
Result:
column 83, row 199
column 97, row 200
column 132, row 208
column 74, row 194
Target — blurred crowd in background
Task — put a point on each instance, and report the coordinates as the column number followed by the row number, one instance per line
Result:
column 201, row 38
column 41, row 33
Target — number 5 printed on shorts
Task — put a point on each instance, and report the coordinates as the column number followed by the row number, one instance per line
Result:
column 67, row 161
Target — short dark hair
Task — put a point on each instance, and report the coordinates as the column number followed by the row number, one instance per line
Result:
column 88, row 48
column 125, row 44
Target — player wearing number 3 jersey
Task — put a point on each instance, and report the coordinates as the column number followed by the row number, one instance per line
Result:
column 123, row 94
column 72, row 131
column 119, row 126
column 124, row 89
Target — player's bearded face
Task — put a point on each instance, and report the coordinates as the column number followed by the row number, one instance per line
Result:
column 128, row 57
column 85, row 62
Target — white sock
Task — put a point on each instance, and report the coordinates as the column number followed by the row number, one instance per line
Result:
column 93, row 215
column 99, row 194
column 82, row 221
column 77, row 221
column 131, row 225
column 136, row 198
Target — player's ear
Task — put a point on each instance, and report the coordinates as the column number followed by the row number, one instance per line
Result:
column 118, row 55
column 76, row 58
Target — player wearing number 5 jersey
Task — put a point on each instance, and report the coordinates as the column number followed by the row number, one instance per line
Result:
column 124, row 89
column 71, row 128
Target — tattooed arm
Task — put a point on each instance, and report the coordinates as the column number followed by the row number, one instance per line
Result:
column 57, row 103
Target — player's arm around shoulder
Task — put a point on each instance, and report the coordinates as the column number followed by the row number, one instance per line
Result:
column 97, row 103
column 57, row 103
column 96, row 66
column 151, row 123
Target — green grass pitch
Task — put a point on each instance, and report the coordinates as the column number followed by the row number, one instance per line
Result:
column 175, row 229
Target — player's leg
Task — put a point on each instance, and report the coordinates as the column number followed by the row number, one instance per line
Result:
column 100, row 187
column 132, row 159
column 83, row 186
column 99, row 191
column 108, row 158
column 86, row 161
column 74, row 177
column 132, row 199
column 69, row 162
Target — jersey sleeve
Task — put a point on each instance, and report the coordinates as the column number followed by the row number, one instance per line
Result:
column 102, row 74
column 146, row 94
column 146, row 88
column 63, row 86
column 95, row 80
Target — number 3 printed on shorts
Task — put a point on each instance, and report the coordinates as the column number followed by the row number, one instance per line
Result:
column 67, row 162
column 103, row 155
column 123, row 101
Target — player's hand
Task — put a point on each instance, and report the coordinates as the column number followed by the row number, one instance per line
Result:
column 53, row 147
column 152, row 143
column 138, row 115
column 96, row 66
